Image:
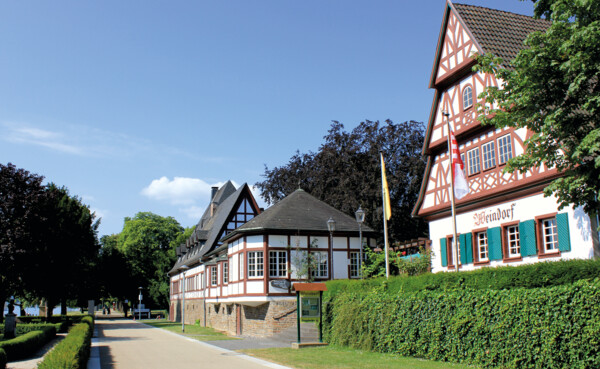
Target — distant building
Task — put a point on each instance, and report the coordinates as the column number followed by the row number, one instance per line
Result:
column 244, row 284
column 505, row 219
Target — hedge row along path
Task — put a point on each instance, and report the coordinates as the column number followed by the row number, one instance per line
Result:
column 130, row 344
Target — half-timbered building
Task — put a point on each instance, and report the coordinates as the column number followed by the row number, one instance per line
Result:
column 243, row 286
column 505, row 218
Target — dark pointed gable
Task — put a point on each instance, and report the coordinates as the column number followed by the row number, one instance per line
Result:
column 213, row 225
column 300, row 212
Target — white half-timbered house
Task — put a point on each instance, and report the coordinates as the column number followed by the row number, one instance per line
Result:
column 505, row 219
column 244, row 285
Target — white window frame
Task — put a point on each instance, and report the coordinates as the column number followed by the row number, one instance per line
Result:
column 354, row 258
column 213, row 276
column 225, row 272
column 322, row 261
column 474, row 161
column 489, row 155
column 550, row 235
column 278, row 264
column 255, row 264
column 467, row 97
column 483, row 251
column 513, row 241
column 505, row 149
column 241, row 264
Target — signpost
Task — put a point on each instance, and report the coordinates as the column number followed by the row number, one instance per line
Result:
column 309, row 297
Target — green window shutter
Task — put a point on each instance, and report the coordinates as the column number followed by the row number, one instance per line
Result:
column 463, row 249
column 564, row 237
column 443, row 252
column 495, row 243
column 469, row 247
column 527, row 238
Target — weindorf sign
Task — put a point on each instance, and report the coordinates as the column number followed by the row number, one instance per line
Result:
column 501, row 213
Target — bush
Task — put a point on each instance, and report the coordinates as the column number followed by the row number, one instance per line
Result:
column 3, row 359
column 545, row 274
column 555, row 327
column 74, row 350
column 27, row 344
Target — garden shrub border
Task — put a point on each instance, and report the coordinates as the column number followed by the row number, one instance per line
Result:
column 3, row 359
column 74, row 351
column 28, row 343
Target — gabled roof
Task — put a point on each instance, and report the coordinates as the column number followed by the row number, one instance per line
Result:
column 494, row 31
column 499, row 32
column 209, row 229
column 299, row 211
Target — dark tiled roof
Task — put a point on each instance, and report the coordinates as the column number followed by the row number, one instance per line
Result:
column 498, row 32
column 300, row 212
column 208, row 230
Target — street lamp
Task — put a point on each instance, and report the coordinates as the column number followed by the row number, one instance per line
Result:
column 183, row 268
column 331, row 228
column 360, row 218
column 139, row 305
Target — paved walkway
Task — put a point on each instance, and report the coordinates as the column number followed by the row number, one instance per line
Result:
column 123, row 343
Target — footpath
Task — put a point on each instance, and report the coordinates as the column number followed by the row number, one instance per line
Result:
column 122, row 343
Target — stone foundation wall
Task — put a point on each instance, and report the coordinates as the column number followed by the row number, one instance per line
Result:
column 258, row 321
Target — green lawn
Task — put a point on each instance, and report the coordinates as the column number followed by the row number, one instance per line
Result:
column 342, row 357
column 192, row 331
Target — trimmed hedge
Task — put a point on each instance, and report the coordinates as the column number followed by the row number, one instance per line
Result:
column 22, row 328
column 28, row 343
column 74, row 351
column 3, row 359
column 555, row 327
column 53, row 319
column 545, row 274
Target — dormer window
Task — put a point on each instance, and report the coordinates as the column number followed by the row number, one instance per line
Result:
column 467, row 97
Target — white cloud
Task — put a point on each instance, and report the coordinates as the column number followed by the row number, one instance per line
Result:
column 20, row 133
column 193, row 212
column 179, row 191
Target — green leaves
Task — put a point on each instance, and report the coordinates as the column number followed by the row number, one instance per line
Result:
column 552, row 88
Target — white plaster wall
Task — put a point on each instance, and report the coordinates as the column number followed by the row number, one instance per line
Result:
column 320, row 242
column 278, row 241
column 524, row 209
column 255, row 286
column 298, row 241
column 340, row 266
column 355, row 242
column 254, row 242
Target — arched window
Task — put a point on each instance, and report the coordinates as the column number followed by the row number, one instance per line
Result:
column 467, row 97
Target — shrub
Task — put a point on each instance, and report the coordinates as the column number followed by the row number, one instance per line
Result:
column 74, row 350
column 545, row 274
column 27, row 344
column 3, row 359
column 554, row 327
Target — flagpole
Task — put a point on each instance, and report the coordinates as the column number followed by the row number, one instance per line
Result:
column 452, row 200
column 385, row 232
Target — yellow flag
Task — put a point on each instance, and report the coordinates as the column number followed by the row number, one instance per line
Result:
column 387, row 208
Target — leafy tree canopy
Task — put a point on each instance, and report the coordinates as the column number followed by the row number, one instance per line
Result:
column 346, row 173
column 146, row 243
column 552, row 88
column 20, row 195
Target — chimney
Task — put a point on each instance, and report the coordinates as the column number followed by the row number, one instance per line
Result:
column 213, row 192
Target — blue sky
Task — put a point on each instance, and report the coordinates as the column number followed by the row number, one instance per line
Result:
column 144, row 105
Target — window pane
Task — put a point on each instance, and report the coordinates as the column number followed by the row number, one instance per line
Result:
column 474, row 164
column 467, row 97
column 513, row 240
column 482, row 246
column 550, row 234
column 489, row 155
column 505, row 148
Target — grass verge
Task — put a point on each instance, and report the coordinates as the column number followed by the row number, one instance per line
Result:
column 192, row 331
column 342, row 357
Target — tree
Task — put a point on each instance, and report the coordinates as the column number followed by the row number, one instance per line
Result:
column 114, row 271
column 146, row 243
column 346, row 173
column 552, row 88
column 65, row 258
column 20, row 194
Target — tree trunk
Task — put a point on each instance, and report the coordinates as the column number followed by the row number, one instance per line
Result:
column 63, row 306
column 2, row 300
column 50, row 302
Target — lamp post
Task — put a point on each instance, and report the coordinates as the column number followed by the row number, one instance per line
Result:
column 331, row 228
column 183, row 269
column 360, row 218
column 140, row 304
